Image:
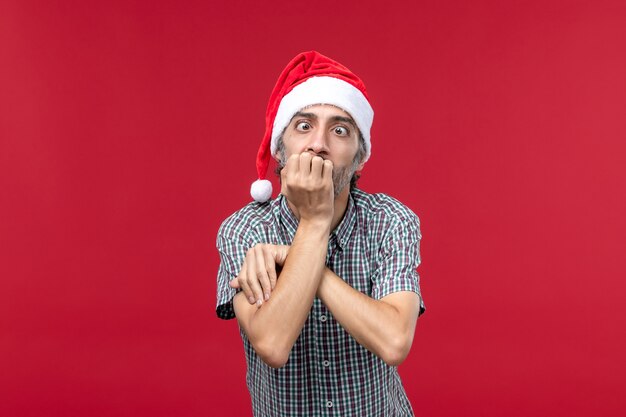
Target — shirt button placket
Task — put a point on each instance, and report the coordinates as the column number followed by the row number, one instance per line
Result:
column 328, row 404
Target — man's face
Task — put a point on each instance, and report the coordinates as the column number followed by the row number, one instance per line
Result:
column 328, row 132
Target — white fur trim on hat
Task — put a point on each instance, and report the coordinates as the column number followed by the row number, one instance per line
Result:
column 325, row 90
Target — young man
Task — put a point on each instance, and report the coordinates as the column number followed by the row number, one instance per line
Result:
column 322, row 280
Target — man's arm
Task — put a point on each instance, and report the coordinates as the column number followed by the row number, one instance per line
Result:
column 385, row 327
column 384, row 320
column 274, row 326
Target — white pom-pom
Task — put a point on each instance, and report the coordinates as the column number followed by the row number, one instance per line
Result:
column 261, row 190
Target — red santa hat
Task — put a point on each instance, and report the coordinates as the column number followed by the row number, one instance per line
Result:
column 310, row 78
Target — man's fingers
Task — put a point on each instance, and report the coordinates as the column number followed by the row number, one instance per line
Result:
column 292, row 165
column 305, row 164
column 243, row 283
column 288, row 171
column 281, row 252
column 253, row 279
column 327, row 171
column 270, row 265
column 258, row 275
column 283, row 180
column 262, row 272
column 245, row 287
column 317, row 164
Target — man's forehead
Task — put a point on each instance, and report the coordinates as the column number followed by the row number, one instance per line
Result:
column 329, row 111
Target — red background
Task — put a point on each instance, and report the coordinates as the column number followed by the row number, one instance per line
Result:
column 128, row 132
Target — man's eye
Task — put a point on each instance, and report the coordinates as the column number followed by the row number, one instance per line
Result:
column 303, row 126
column 341, row 131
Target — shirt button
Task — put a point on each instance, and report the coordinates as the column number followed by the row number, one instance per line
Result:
column 322, row 318
column 326, row 363
column 329, row 404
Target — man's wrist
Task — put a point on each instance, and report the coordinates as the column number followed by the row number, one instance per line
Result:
column 315, row 227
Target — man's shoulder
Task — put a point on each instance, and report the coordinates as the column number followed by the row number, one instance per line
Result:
column 381, row 207
column 249, row 217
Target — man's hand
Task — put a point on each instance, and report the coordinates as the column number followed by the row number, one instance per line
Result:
column 258, row 275
column 307, row 183
column 273, row 329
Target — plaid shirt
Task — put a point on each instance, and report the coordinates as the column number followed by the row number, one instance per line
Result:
column 375, row 249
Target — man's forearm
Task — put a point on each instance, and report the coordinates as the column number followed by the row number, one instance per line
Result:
column 385, row 327
column 274, row 327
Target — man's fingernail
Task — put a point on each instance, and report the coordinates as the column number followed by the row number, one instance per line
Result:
column 251, row 299
column 259, row 302
column 267, row 296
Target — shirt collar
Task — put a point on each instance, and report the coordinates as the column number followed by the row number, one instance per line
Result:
column 342, row 232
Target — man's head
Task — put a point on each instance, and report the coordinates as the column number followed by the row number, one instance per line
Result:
column 316, row 100
column 328, row 132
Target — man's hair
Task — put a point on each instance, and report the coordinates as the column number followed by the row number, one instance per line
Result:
column 358, row 158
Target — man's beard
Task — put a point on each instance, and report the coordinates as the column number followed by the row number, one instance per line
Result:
column 341, row 176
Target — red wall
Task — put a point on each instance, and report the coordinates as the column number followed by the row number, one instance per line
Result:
column 128, row 132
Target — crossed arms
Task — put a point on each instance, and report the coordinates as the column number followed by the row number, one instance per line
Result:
column 273, row 323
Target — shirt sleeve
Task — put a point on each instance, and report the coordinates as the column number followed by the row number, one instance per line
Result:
column 399, row 259
column 232, row 249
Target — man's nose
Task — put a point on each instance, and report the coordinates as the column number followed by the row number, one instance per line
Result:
column 318, row 142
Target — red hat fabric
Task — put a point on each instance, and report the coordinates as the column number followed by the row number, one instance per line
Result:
column 310, row 78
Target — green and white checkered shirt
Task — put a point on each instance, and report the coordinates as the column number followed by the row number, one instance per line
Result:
column 375, row 249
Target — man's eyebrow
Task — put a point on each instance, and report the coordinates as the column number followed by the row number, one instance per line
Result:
column 344, row 119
